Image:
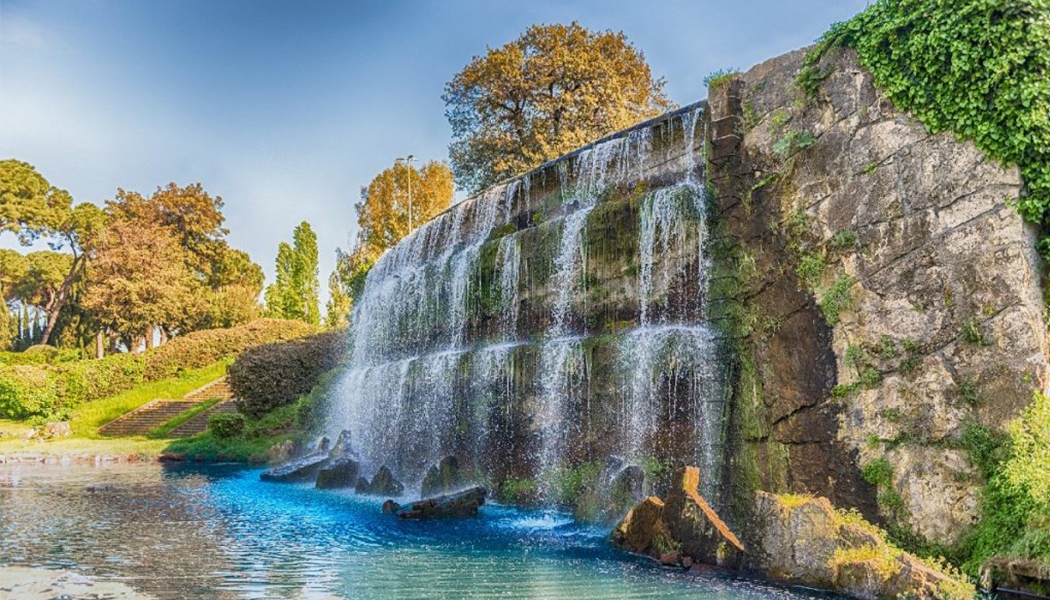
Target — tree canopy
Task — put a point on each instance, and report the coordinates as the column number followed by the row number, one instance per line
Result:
column 382, row 221
column 552, row 90
column 29, row 205
column 383, row 212
column 167, row 250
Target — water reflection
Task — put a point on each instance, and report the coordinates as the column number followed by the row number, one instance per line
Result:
column 218, row 533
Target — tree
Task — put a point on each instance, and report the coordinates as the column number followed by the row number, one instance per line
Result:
column 304, row 272
column 228, row 281
column 382, row 221
column 139, row 280
column 13, row 267
column 294, row 293
column 42, row 283
column 346, row 283
column 383, row 212
column 31, row 207
column 554, row 89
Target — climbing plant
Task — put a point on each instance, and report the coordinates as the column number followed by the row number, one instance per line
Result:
column 978, row 68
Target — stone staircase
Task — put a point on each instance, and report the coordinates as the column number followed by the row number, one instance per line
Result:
column 199, row 422
column 157, row 412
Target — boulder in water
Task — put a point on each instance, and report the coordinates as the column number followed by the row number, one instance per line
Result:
column 442, row 478
column 460, row 504
column 300, row 469
column 322, row 445
column 643, row 529
column 390, row 507
column 694, row 524
column 342, row 447
column 383, row 484
column 338, row 473
column 625, row 490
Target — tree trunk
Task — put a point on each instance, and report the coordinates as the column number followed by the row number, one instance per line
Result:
column 163, row 336
column 149, row 338
column 100, row 350
column 60, row 300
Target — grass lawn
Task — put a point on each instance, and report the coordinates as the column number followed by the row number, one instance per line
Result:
column 75, row 445
column 88, row 417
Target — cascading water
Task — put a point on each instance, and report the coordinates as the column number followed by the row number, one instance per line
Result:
column 541, row 325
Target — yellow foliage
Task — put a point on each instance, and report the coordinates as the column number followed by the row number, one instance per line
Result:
column 551, row 91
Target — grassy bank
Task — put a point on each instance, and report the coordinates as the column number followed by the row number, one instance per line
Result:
column 88, row 417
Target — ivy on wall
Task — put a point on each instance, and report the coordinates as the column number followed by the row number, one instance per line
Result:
column 978, row 68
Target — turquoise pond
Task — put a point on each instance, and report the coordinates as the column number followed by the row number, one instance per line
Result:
column 217, row 532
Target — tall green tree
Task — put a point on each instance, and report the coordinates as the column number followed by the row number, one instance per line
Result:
column 304, row 274
column 294, row 293
column 552, row 90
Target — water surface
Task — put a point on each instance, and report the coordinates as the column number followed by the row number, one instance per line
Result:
column 218, row 532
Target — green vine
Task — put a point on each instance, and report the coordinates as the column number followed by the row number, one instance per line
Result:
column 978, row 68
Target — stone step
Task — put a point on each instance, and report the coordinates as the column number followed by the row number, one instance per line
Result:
column 141, row 420
column 216, row 390
column 199, row 422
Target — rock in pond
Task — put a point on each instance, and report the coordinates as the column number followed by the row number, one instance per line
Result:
column 300, row 469
column 339, row 473
column 692, row 522
column 383, row 484
column 460, row 504
column 342, row 447
column 618, row 489
column 643, row 529
column 442, row 478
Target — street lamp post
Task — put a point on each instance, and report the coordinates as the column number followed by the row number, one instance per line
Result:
column 408, row 161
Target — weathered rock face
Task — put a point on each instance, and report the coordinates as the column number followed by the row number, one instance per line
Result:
column 790, row 539
column 887, row 296
column 643, row 530
column 339, row 473
column 301, row 469
column 608, row 497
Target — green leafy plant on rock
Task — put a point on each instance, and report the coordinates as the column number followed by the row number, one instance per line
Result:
column 977, row 68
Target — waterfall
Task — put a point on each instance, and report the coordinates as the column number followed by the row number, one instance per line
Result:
column 548, row 321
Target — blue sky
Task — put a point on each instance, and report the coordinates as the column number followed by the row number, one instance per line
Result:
column 285, row 109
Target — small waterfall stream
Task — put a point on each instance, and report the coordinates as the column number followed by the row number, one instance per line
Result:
column 548, row 321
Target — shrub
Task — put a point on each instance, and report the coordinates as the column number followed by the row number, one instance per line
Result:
column 45, row 389
column 227, row 425
column 272, row 375
column 1015, row 503
column 26, row 390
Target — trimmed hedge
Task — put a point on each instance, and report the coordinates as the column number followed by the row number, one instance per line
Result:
column 54, row 389
column 269, row 376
